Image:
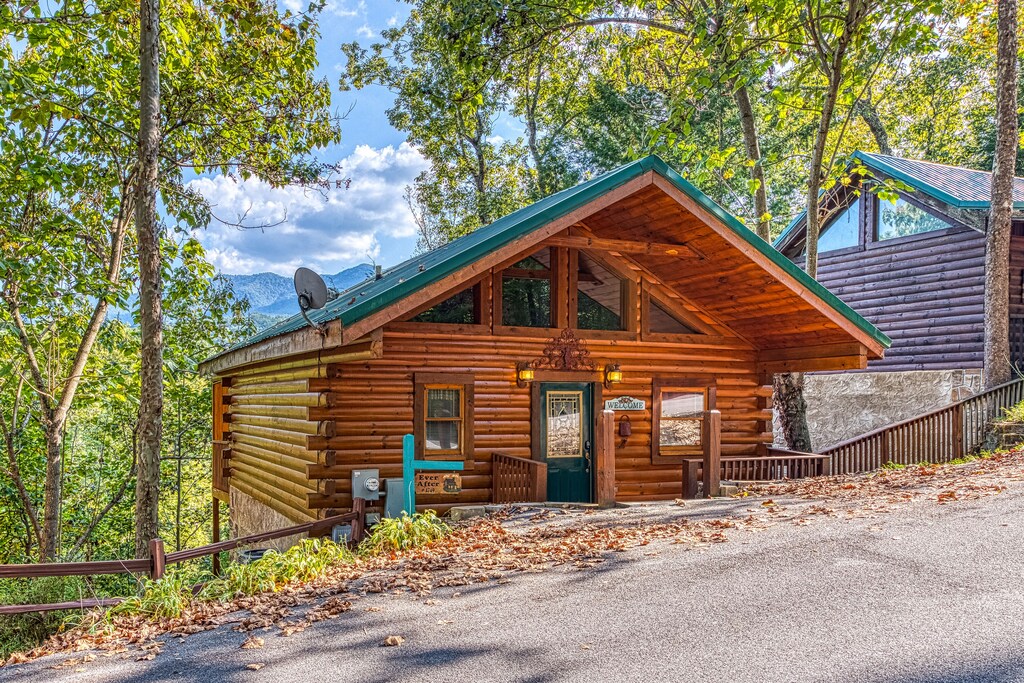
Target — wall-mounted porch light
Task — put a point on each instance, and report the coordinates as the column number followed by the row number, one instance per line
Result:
column 524, row 374
column 612, row 374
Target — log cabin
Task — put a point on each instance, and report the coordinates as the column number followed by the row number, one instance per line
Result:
column 915, row 267
column 587, row 336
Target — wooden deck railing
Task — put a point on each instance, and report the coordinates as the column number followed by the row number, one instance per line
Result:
column 519, row 480
column 156, row 563
column 779, row 464
column 937, row 436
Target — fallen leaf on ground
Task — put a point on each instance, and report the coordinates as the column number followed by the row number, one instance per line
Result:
column 252, row 643
column 393, row 641
column 255, row 666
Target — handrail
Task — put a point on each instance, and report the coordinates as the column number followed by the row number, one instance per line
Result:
column 154, row 565
column 940, row 435
column 922, row 416
column 518, row 480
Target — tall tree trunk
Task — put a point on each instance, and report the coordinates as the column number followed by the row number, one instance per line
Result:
column 748, row 124
column 997, row 243
column 147, row 483
column 792, row 410
column 53, row 485
column 789, row 388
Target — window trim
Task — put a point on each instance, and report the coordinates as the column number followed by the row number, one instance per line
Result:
column 554, row 278
column 676, row 455
column 629, row 292
column 876, row 217
column 424, row 381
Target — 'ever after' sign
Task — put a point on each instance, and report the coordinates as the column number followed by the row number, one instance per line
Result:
column 438, row 482
column 625, row 403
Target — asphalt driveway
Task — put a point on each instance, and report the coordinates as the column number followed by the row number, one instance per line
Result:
column 925, row 592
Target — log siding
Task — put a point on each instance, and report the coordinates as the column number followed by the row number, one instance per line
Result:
column 926, row 292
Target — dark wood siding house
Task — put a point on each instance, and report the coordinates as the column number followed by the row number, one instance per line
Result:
column 916, row 269
column 502, row 348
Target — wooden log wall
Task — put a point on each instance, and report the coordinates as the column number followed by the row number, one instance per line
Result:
column 926, row 292
column 269, row 428
column 371, row 406
column 1017, row 295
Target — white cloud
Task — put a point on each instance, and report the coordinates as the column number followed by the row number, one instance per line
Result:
column 365, row 31
column 341, row 8
column 393, row 20
column 326, row 230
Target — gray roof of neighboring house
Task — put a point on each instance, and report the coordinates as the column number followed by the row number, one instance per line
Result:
column 963, row 188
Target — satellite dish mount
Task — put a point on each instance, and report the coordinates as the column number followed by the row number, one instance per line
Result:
column 313, row 295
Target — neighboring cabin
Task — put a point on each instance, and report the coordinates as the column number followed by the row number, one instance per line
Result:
column 506, row 343
column 916, row 269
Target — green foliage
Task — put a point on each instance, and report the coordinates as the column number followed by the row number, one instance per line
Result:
column 1014, row 413
column 405, row 532
column 169, row 597
column 306, row 561
column 25, row 631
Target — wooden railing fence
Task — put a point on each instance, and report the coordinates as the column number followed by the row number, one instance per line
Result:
column 937, row 436
column 779, row 464
column 155, row 565
column 519, row 480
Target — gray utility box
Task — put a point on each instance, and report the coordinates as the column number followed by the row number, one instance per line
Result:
column 394, row 497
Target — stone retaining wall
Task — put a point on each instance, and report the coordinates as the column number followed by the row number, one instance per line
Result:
column 841, row 406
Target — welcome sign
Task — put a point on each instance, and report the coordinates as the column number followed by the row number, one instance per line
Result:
column 625, row 403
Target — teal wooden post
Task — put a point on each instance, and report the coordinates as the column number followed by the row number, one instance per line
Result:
column 409, row 466
column 409, row 474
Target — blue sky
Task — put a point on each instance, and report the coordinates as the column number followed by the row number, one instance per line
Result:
column 367, row 222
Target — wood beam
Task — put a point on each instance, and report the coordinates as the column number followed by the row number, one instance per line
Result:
column 622, row 246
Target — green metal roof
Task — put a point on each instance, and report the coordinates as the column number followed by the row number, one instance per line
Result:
column 367, row 297
column 962, row 188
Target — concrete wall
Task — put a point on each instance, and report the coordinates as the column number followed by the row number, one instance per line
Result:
column 249, row 516
column 841, row 406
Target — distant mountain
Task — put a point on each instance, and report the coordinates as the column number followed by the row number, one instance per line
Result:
column 272, row 297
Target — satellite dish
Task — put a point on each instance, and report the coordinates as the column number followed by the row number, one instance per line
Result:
column 311, row 289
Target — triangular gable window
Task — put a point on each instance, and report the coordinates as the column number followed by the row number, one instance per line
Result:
column 599, row 296
column 660, row 320
column 458, row 309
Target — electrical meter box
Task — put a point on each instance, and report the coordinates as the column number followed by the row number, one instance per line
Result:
column 366, row 484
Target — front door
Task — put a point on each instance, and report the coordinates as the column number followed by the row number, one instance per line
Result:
column 566, row 442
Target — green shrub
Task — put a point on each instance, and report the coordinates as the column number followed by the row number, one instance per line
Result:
column 893, row 466
column 169, row 596
column 303, row 562
column 402, row 533
column 1012, row 414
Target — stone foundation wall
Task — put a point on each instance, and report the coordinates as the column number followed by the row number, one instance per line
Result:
column 841, row 406
column 249, row 516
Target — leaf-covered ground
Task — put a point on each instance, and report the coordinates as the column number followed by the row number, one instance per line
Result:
column 525, row 539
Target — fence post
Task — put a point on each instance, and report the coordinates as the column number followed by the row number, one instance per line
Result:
column 216, row 534
column 712, row 447
column 604, row 460
column 157, row 559
column 359, row 523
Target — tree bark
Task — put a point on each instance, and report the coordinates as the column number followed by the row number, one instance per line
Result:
column 792, row 410
column 867, row 111
column 748, row 124
column 147, row 482
column 997, row 243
